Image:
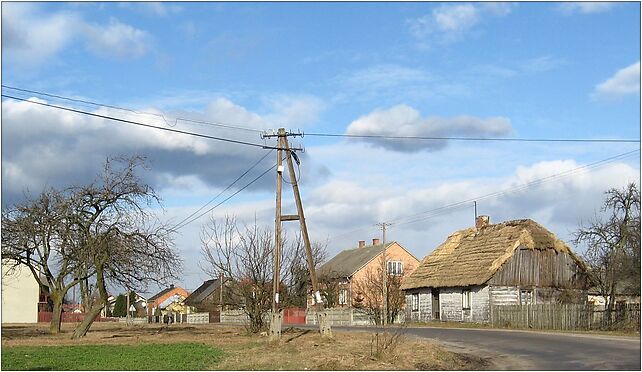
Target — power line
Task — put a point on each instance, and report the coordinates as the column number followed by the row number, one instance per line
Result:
column 345, row 135
column 463, row 204
column 487, row 139
column 142, row 124
column 93, row 103
column 228, row 198
column 179, row 225
column 521, row 187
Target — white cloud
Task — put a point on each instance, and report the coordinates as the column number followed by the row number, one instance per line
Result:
column 32, row 37
column 449, row 23
column 383, row 76
column 586, row 7
column 293, row 111
column 560, row 203
column 117, row 40
column 43, row 146
column 160, row 9
column 625, row 82
column 403, row 120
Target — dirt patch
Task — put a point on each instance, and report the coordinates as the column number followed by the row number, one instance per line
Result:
column 298, row 349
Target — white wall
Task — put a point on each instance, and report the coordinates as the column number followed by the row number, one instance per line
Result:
column 425, row 305
column 20, row 293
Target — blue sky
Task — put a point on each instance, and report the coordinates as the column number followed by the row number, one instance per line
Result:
column 560, row 70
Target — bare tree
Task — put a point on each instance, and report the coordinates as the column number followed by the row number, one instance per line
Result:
column 369, row 294
column 37, row 233
column 296, row 279
column 121, row 241
column 245, row 255
column 613, row 245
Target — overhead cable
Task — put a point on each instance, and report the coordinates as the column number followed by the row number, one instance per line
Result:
column 180, row 224
column 400, row 221
column 143, row 124
column 93, row 103
column 228, row 198
column 489, row 139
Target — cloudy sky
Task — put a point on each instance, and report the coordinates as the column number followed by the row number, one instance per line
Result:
column 501, row 70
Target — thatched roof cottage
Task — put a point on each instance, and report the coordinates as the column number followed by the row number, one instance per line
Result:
column 510, row 263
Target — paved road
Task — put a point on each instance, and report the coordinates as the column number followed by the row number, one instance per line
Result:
column 527, row 350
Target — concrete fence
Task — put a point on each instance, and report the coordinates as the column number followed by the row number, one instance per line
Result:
column 234, row 317
column 133, row 320
column 198, row 318
column 347, row 317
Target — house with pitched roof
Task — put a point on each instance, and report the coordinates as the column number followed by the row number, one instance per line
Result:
column 357, row 264
column 169, row 299
column 511, row 263
column 207, row 297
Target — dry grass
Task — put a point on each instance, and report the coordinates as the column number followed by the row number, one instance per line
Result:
column 298, row 349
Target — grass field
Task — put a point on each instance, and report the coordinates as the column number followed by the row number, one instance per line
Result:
column 114, row 346
column 179, row 356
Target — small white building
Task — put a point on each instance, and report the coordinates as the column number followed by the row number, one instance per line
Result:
column 20, row 294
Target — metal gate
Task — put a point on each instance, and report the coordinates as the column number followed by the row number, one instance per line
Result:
column 294, row 315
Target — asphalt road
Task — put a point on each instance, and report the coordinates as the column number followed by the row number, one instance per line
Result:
column 530, row 350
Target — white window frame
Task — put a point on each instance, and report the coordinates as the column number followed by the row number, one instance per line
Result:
column 343, row 296
column 465, row 299
column 415, row 302
column 524, row 295
column 395, row 268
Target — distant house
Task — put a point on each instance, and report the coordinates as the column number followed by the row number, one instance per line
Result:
column 511, row 263
column 623, row 295
column 21, row 294
column 356, row 264
column 207, row 297
column 170, row 299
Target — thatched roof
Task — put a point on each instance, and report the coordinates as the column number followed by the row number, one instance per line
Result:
column 472, row 256
column 349, row 261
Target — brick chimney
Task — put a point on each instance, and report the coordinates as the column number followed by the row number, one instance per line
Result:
column 482, row 221
column 362, row 243
column 375, row 241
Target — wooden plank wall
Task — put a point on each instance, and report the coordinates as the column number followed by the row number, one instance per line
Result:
column 540, row 268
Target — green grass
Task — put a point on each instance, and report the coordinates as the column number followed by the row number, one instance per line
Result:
column 178, row 356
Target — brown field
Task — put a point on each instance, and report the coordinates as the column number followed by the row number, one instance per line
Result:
column 298, row 349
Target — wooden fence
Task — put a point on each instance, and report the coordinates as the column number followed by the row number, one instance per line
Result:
column 566, row 317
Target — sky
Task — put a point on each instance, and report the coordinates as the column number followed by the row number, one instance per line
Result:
column 500, row 70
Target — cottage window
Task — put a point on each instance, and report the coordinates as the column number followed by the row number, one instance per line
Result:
column 415, row 302
column 343, row 297
column 526, row 297
column 465, row 299
column 395, row 267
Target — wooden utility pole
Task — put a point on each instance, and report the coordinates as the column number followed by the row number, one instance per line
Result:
column 384, row 278
column 277, row 316
column 324, row 327
column 276, row 319
column 127, row 319
column 220, row 295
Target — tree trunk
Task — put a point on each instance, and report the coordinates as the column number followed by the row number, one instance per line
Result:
column 85, row 296
column 56, row 319
column 82, row 328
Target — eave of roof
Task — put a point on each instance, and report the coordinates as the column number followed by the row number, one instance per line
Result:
column 349, row 261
